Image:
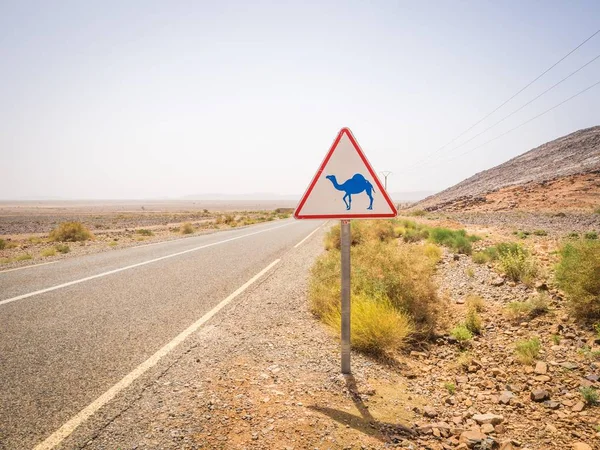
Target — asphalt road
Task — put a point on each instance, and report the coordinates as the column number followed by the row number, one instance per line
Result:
column 62, row 348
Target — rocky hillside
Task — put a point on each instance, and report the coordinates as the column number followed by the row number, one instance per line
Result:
column 533, row 180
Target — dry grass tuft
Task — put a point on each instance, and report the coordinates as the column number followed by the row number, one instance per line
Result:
column 377, row 327
column 70, row 232
column 527, row 351
column 187, row 228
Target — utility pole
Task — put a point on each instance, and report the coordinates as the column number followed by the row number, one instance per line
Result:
column 385, row 174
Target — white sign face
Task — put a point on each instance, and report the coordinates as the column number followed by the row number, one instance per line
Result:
column 345, row 186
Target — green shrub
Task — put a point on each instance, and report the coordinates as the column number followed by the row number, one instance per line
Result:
column 530, row 308
column 540, row 233
column 70, row 232
column 2, row 244
column 187, row 228
column 62, row 248
column 577, row 274
column 473, row 321
column 481, row 258
column 528, row 350
column 573, row 235
column 461, row 333
column 518, row 265
column 144, row 232
column 418, row 213
column 457, row 240
column 377, row 327
column 48, row 252
column 591, row 235
column 597, row 210
column 23, row 257
column 450, row 387
column 589, row 394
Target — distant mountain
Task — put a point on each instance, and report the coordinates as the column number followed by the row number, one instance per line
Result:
column 564, row 172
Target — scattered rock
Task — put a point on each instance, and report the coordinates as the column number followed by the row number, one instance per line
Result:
column 430, row 412
column 539, row 395
column 497, row 282
column 471, row 438
column 487, row 428
column 569, row 365
column 541, row 368
column 581, row 446
column 505, row 397
column 551, row 404
column 578, row 407
column 494, row 419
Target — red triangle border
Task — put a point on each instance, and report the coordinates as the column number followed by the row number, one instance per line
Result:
column 298, row 212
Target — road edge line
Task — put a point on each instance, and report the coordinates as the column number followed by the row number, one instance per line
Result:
column 310, row 234
column 29, row 266
column 66, row 429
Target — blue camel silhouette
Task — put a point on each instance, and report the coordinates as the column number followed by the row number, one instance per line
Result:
column 354, row 185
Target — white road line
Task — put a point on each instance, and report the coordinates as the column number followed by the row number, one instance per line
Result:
column 306, row 238
column 63, row 432
column 143, row 263
column 28, row 267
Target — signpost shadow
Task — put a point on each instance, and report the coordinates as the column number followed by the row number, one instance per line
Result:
column 366, row 423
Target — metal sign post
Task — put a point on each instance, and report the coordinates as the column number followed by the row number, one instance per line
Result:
column 345, row 236
column 345, row 187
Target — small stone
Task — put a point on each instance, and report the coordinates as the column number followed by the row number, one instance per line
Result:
column 498, row 281
column 487, row 428
column 430, row 412
column 494, row 419
column 581, row 446
column 506, row 446
column 578, row 407
column 551, row 404
column 541, row 368
column 505, row 397
column 592, row 377
column 471, row 438
column 569, row 365
column 539, row 395
column 551, row 428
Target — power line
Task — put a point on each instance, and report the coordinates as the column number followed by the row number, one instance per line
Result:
column 506, row 101
column 526, row 104
column 524, row 123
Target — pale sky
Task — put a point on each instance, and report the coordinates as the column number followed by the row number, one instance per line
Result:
column 145, row 99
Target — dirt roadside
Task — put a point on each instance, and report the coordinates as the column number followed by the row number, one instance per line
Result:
column 265, row 375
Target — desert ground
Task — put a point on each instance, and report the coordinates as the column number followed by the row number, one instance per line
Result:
column 25, row 225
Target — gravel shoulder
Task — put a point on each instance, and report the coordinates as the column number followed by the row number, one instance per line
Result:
column 263, row 374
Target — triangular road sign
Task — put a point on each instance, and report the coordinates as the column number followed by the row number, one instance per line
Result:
column 345, row 186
